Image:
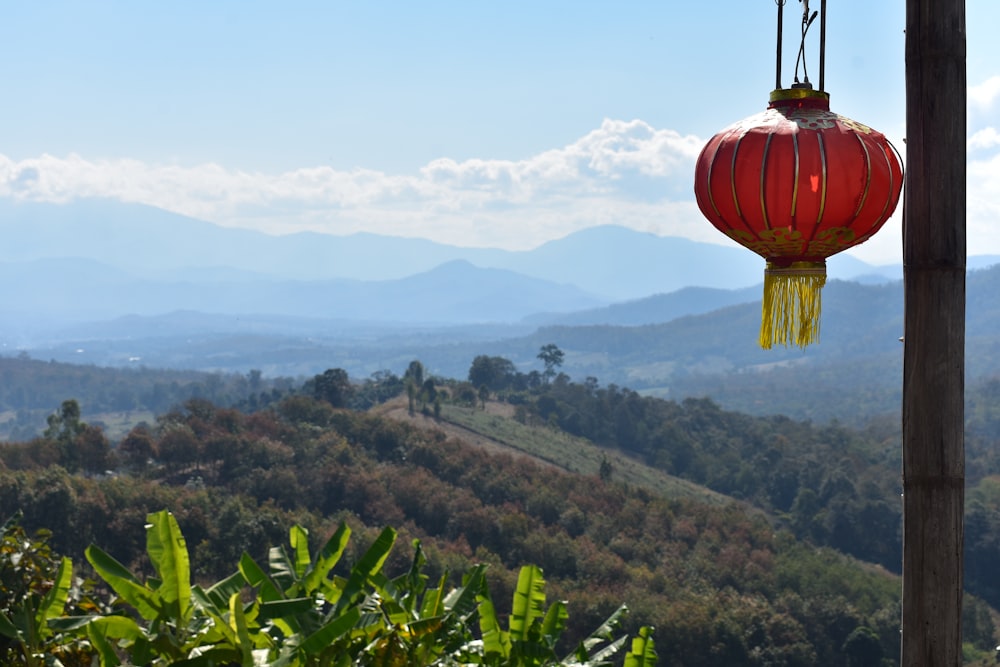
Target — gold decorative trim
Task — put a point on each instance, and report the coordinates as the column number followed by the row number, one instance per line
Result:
column 763, row 179
column 868, row 173
column 732, row 178
column 795, row 183
column 781, row 94
column 823, row 184
column 708, row 184
column 796, row 269
column 892, row 185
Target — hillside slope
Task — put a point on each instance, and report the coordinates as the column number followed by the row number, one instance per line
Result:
column 495, row 429
column 721, row 586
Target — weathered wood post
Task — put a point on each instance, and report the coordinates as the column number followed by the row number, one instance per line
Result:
column 934, row 347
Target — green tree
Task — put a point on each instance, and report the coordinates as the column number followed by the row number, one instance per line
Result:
column 496, row 373
column 552, row 357
column 333, row 386
column 428, row 392
column 65, row 424
column 81, row 446
column 863, row 648
column 137, row 448
column 414, row 373
column 178, row 447
column 254, row 380
column 93, row 450
column 606, row 469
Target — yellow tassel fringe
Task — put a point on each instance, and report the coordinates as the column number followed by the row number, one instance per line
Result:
column 792, row 304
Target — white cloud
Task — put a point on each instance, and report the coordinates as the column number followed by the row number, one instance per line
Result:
column 983, row 96
column 620, row 173
column 625, row 173
column 984, row 139
column 984, row 205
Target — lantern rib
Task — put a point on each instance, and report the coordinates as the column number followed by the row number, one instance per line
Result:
column 795, row 182
column 823, row 186
column 886, row 211
column 763, row 179
column 732, row 180
column 711, row 167
column 868, row 176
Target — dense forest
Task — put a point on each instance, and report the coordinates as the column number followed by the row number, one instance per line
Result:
column 762, row 579
column 828, row 484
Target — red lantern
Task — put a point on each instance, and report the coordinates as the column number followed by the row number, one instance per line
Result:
column 796, row 184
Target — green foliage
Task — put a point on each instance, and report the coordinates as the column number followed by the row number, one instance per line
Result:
column 642, row 653
column 863, row 648
column 332, row 386
column 834, row 486
column 299, row 614
column 65, row 425
column 165, row 603
column 494, row 373
column 552, row 357
column 701, row 570
column 379, row 388
column 36, row 588
column 534, row 633
column 68, row 442
column 722, row 582
column 30, row 388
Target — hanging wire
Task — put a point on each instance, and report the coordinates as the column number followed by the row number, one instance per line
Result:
column 822, row 45
column 807, row 20
column 777, row 67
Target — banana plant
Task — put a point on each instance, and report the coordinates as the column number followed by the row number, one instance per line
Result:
column 643, row 652
column 534, row 632
column 300, row 614
column 181, row 624
column 313, row 616
column 367, row 617
column 426, row 626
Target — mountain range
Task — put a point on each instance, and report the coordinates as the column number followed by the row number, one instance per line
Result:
column 95, row 259
column 114, row 284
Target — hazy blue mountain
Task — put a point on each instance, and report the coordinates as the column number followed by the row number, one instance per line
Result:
column 976, row 262
column 653, row 309
column 613, row 262
column 663, row 315
column 853, row 373
column 456, row 292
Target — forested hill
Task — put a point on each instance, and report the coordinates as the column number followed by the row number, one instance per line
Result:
column 31, row 389
column 724, row 581
column 720, row 585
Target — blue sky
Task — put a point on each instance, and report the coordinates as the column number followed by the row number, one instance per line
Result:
column 471, row 123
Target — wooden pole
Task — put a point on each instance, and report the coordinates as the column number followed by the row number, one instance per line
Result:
column 934, row 347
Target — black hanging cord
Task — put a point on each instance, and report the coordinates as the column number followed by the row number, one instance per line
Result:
column 822, row 45
column 807, row 21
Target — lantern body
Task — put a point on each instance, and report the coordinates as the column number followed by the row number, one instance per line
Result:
column 796, row 184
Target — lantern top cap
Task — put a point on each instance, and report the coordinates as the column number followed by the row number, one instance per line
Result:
column 799, row 98
column 799, row 93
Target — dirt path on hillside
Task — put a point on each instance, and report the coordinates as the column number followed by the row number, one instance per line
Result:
column 397, row 409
